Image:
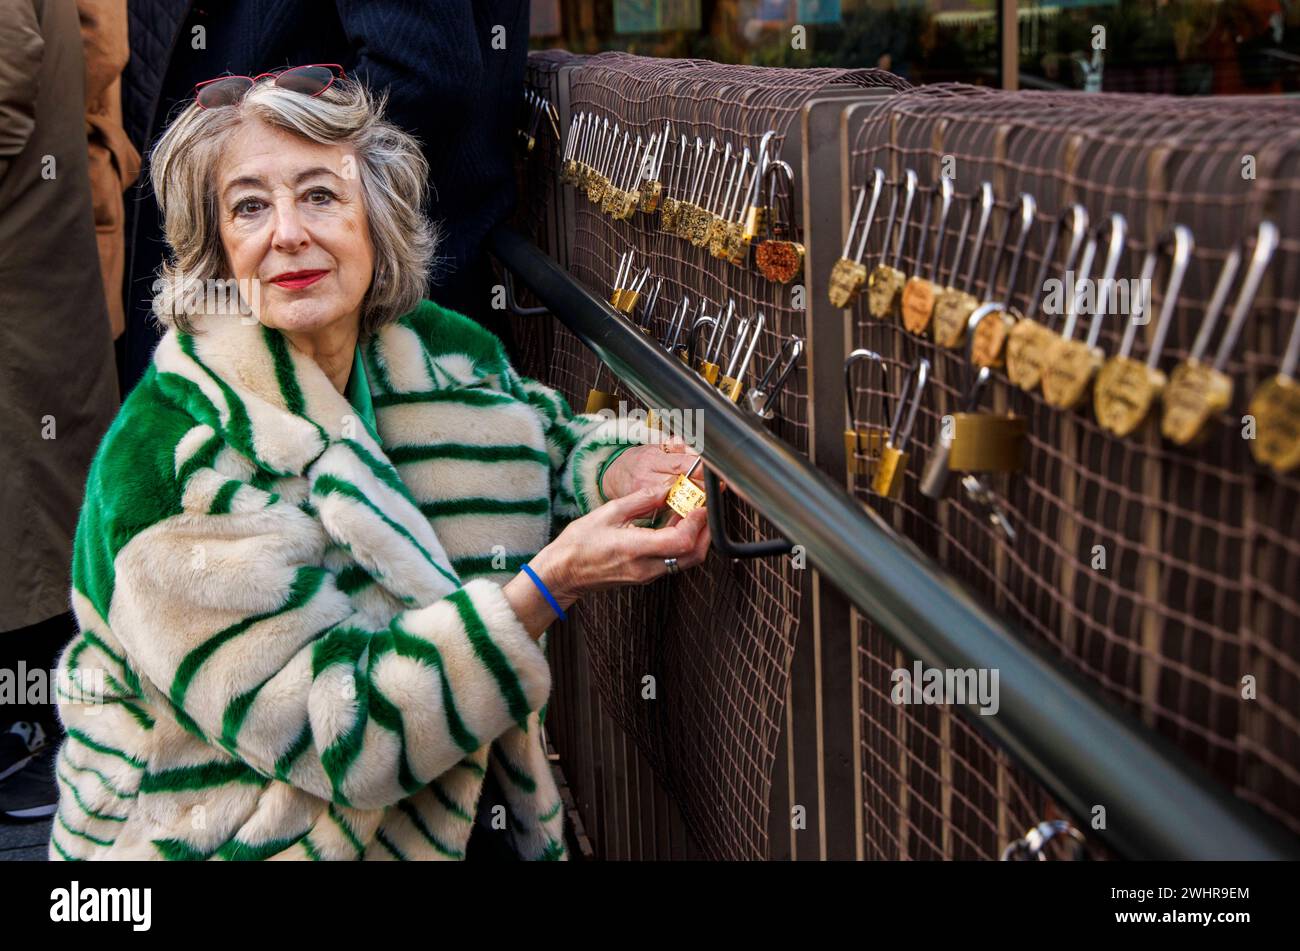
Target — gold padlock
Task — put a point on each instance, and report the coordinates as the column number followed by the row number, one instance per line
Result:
column 955, row 303
column 753, row 215
column 888, row 478
column 1072, row 364
column 670, row 207
column 1126, row 389
column 919, row 292
column 779, row 256
column 598, row 400
column 989, row 334
column 569, row 164
column 684, row 496
column 987, row 442
column 934, row 477
column 863, row 445
column 732, row 382
column 1198, row 392
column 849, row 273
column 1028, row 341
column 714, row 226
column 885, row 282
column 1276, row 408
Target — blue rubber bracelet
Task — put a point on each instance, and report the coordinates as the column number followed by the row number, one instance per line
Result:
column 545, row 593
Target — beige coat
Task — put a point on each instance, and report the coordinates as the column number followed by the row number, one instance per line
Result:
column 114, row 162
column 58, row 384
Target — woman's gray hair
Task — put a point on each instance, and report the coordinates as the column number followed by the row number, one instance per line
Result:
column 392, row 171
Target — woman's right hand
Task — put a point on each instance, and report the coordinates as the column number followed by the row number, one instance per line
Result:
column 603, row 549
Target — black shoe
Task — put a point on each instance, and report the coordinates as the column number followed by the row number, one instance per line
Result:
column 19, row 746
column 31, row 792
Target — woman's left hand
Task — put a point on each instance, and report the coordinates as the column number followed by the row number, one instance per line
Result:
column 650, row 467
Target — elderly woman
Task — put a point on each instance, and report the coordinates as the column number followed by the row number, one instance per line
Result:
column 315, row 557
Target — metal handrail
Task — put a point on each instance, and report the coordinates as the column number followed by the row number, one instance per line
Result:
column 1158, row 803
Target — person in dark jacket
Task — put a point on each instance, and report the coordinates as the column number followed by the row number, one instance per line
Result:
column 453, row 71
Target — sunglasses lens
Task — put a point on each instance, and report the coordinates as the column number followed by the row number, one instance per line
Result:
column 223, row 92
column 308, row 80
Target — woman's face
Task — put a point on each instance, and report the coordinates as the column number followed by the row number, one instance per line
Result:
column 292, row 222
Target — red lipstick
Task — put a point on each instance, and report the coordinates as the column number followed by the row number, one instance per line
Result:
column 297, row 280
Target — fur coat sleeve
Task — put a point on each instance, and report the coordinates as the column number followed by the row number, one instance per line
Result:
column 296, row 621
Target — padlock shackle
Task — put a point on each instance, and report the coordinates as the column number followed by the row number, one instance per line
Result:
column 945, row 191
column 624, row 268
column 909, row 196
column 719, row 334
column 910, row 399
column 1181, row 243
column 571, row 137
column 680, row 163
column 1076, row 219
column 853, row 221
column 877, row 189
column 986, row 201
column 850, row 404
column 738, row 345
column 1219, row 297
column 790, row 352
column 697, row 170
column 1080, row 279
column 663, row 147
column 1115, row 229
column 729, row 208
column 971, row 398
column 717, row 178
column 676, row 324
column 787, row 202
column 647, row 312
column 1028, row 213
column 755, row 331
column 760, row 168
column 1291, row 355
column 694, row 335
column 724, row 196
column 1266, row 242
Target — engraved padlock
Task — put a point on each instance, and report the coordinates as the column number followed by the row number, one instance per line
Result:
column 917, row 303
column 955, row 303
column 670, row 207
column 886, row 280
column 1028, row 341
column 988, row 334
column 1127, row 389
column 684, row 496
column 779, row 257
column 1198, row 392
column 1276, row 408
column 849, row 274
column 1072, row 364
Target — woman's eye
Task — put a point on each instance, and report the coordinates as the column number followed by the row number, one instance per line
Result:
column 320, row 196
column 248, row 206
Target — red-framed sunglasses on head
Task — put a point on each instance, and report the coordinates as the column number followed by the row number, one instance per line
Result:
column 227, row 90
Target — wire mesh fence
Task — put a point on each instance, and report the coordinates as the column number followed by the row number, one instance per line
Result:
column 1195, row 587
column 1158, row 571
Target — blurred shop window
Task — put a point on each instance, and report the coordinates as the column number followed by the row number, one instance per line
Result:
column 1184, row 47
column 935, row 41
column 544, row 18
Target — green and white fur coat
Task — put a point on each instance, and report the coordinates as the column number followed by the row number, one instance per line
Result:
column 306, row 650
